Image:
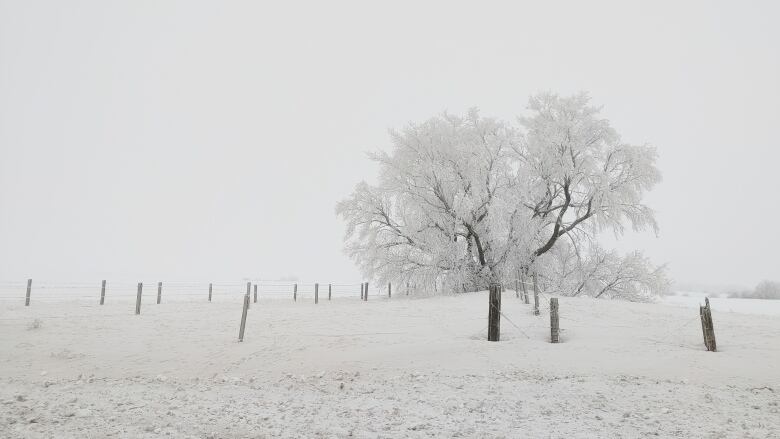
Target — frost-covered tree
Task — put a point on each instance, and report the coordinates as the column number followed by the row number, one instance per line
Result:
column 463, row 201
column 766, row 290
column 596, row 272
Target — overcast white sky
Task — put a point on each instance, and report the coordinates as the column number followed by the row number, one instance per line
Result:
column 211, row 140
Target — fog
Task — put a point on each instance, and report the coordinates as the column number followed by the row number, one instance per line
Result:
column 193, row 140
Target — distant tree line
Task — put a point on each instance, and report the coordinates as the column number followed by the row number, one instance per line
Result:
column 764, row 290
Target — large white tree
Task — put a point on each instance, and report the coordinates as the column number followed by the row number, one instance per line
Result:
column 463, row 201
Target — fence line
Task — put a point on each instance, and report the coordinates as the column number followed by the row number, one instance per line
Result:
column 104, row 290
column 49, row 291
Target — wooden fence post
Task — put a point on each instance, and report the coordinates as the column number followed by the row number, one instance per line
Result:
column 243, row 319
column 365, row 296
column 517, row 288
column 710, row 326
column 362, row 286
column 703, row 326
column 523, row 286
column 316, row 293
column 705, row 313
column 494, row 313
column 295, row 292
column 209, row 292
column 255, row 293
column 138, row 298
column 248, row 291
column 102, row 292
column 159, row 292
column 329, row 290
column 389, row 290
column 536, row 297
column 525, row 290
column 29, row 290
column 554, row 326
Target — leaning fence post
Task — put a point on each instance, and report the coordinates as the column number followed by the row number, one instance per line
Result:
column 554, row 324
column 703, row 326
column 329, row 290
column 389, row 290
column 138, row 298
column 536, row 297
column 102, row 292
column 703, row 317
column 255, row 293
column 295, row 292
column 705, row 313
column 710, row 326
column 494, row 313
column 243, row 318
column 159, row 292
column 209, row 292
column 29, row 290
column 316, row 293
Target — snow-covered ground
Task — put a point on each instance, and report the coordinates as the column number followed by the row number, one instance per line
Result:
column 385, row 368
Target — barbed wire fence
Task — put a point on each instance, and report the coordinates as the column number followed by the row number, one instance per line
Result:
column 28, row 293
column 93, row 295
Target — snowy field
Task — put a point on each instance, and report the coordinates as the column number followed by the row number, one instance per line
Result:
column 723, row 304
column 387, row 369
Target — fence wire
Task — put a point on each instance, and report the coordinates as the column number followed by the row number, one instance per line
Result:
column 14, row 294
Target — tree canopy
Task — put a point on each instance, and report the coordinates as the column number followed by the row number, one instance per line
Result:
column 464, row 201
